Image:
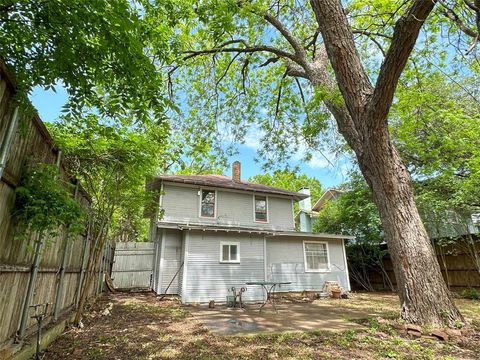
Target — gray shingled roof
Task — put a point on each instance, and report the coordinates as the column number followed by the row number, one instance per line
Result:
column 222, row 181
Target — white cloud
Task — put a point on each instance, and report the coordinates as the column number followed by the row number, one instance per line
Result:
column 327, row 160
column 253, row 137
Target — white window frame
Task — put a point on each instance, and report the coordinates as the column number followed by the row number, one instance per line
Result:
column 266, row 208
column 305, row 256
column 214, row 207
column 222, row 243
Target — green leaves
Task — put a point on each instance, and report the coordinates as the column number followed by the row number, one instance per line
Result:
column 352, row 213
column 106, row 53
column 112, row 161
column 44, row 203
column 290, row 180
column 435, row 124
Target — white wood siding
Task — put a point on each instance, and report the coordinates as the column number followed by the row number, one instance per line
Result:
column 168, row 260
column 208, row 279
column 181, row 204
column 281, row 213
column 285, row 262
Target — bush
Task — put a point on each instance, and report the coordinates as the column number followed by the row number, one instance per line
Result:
column 44, row 203
column 471, row 293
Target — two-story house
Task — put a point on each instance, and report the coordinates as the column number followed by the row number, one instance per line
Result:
column 214, row 232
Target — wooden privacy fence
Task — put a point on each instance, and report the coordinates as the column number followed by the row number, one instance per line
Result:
column 456, row 263
column 133, row 265
column 55, row 270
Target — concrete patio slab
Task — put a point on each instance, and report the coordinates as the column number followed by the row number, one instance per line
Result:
column 318, row 315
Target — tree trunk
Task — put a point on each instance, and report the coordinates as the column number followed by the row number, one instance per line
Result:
column 424, row 296
column 363, row 121
column 88, row 282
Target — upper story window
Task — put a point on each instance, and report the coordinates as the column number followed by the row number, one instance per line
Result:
column 207, row 206
column 316, row 256
column 261, row 208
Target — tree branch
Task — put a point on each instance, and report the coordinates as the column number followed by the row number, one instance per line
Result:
column 371, row 37
column 351, row 77
column 246, row 49
column 405, row 35
column 292, row 40
column 279, row 95
column 370, row 33
column 449, row 13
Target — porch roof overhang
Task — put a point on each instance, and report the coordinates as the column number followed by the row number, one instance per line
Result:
column 213, row 227
column 249, row 230
column 301, row 234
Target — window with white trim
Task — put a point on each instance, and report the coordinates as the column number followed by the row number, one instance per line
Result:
column 207, row 206
column 261, row 208
column 316, row 256
column 230, row 252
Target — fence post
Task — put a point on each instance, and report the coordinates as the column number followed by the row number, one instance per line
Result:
column 82, row 266
column 101, row 271
column 31, row 284
column 7, row 140
column 61, row 278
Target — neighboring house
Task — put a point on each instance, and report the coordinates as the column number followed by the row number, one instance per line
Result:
column 451, row 224
column 306, row 214
column 217, row 232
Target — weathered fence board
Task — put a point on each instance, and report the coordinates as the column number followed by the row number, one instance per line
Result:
column 31, row 139
column 459, row 269
column 133, row 265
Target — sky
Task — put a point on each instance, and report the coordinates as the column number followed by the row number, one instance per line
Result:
column 49, row 104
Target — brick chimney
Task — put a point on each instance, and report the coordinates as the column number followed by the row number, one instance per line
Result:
column 236, row 171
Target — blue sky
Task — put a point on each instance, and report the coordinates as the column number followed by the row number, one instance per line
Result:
column 49, row 105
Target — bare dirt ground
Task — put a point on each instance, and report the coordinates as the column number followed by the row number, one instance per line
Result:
column 139, row 326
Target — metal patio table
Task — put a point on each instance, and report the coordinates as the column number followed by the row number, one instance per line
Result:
column 269, row 287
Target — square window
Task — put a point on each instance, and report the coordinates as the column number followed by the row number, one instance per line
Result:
column 261, row 208
column 229, row 252
column 316, row 256
column 207, row 207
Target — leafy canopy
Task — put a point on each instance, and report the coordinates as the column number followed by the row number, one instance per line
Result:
column 290, row 180
column 106, row 53
column 44, row 203
column 233, row 76
column 112, row 161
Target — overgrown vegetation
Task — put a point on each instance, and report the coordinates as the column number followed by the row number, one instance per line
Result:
column 471, row 293
column 112, row 162
column 45, row 203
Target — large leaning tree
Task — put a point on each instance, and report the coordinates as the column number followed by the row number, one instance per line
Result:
column 320, row 47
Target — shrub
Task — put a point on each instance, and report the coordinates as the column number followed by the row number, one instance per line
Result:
column 44, row 203
column 471, row 293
